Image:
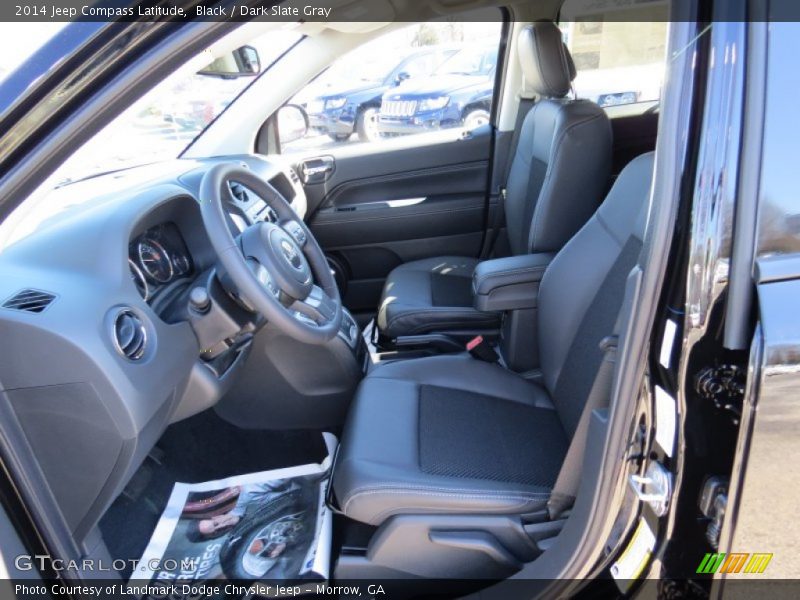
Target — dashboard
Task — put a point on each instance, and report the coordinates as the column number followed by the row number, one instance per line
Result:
column 111, row 356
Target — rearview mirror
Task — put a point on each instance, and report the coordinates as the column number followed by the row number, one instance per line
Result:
column 242, row 62
column 401, row 77
column 292, row 123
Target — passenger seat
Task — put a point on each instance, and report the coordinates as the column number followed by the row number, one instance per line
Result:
column 559, row 173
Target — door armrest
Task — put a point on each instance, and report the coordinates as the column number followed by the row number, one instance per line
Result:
column 509, row 283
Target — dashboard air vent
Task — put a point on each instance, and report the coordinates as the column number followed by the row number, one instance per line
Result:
column 130, row 336
column 294, row 176
column 34, row 301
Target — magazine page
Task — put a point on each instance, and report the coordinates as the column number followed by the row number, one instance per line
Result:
column 267, row 526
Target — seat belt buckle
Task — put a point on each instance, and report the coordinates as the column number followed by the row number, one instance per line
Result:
column 479, row 348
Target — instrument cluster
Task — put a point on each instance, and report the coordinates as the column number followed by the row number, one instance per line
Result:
column 157, row 258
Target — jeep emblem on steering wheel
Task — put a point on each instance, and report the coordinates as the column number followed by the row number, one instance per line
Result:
column 291, row 255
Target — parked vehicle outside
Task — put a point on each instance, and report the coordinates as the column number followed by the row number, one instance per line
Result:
column 458, row 94
column 620, row 85
column 615, row 64
column 345, row 105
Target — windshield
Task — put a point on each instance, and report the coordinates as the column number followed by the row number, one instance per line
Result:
column 161, row 124
column 18, row 41
column 469, row 61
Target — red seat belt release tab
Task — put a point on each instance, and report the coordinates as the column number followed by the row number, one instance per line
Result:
column 482, row 350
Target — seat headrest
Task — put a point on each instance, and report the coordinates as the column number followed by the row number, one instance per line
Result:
column 545, row 60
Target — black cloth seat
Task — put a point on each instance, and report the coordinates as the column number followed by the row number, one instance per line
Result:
column 450, row 434
column 433, row 294
column 559, row 172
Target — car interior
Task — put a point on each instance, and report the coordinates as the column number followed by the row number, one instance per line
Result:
column 449, row 307
column 557, row 177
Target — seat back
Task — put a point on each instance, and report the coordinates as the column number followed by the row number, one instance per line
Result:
column 562, row 162
column 582, row 290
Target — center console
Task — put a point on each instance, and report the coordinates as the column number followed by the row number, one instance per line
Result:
column 507, row 285
column 511, row 285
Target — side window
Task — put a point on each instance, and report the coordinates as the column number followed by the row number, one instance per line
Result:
column 420, row 65
column 424, row 78
column 618, row 52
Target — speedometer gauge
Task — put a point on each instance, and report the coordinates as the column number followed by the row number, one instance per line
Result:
column 155, row 261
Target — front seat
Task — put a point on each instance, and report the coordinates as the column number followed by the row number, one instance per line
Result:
column 453, row 435
column 559, row 173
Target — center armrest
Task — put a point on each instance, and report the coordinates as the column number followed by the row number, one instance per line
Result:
column 509, row 283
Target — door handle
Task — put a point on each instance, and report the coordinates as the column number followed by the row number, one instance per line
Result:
column 312, row 171
column 316, row 170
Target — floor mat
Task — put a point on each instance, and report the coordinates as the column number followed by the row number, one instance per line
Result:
column 267, row 526
column 199, row 449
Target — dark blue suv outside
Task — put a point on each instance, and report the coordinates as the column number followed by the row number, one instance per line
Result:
column 352, row 106
column 458, row 93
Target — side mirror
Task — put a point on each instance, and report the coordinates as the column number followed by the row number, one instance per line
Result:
column 292, row 123
column 242, row 62
column 401, row 77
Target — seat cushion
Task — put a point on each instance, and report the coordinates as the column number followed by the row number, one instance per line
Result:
column 431, row 295
column 447, row 434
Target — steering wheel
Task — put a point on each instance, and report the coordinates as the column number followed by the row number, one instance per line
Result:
column 279, row 270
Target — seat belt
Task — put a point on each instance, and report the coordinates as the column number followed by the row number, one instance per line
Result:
column 525, row 105
column 566, row 486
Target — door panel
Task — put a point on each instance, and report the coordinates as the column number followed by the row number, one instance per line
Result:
column 436, row 216
column 395, row 161
column 394, row 202
column 466, row 178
